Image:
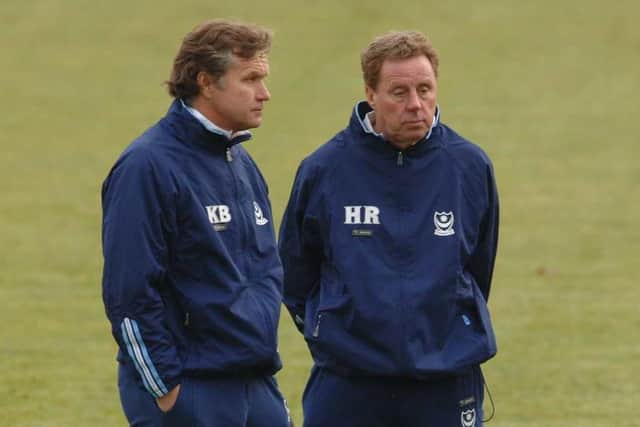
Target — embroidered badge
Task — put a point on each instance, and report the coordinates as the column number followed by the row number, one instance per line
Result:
column 444, row 223
column 260, row 219
column 468, row 418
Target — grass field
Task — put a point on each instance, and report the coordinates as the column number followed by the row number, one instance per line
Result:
column 549, row 88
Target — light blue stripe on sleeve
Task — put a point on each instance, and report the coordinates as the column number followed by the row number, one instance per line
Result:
column 137, row 356
column 132, row 355
column 150, row 364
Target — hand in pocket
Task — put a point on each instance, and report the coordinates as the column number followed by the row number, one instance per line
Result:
column 167, row 402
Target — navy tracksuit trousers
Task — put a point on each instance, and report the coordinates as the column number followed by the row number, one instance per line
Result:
column 332, row 400
column 219, row 402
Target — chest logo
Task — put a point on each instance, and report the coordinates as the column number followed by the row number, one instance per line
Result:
column 444, row 223
column 260, row 219
column 468, row 418
column 361, row 215
column 219, row 216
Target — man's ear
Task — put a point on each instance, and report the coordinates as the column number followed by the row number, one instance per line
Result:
column 205, row 83
column 371, row 96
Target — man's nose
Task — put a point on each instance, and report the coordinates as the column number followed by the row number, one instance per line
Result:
column 263, row 93
column 413, row 101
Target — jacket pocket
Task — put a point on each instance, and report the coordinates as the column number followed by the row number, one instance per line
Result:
column 329, row 299
column 182, row 408
column 485, row 320
column 471, row 339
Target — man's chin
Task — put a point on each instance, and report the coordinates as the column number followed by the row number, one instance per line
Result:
column 414, row 136
column 256, row 121
column 252, row 124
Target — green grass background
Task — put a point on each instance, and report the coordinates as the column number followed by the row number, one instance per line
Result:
column 549, row 88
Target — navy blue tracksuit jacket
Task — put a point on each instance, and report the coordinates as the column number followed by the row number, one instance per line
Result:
column 388, row 255
column 192, row 279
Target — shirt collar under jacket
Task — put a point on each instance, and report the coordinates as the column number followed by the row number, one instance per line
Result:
column 368, row 127
column 210, row 126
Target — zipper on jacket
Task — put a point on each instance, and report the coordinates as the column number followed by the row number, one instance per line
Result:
column 400, row 159
column 242, row 221
column 316, row 329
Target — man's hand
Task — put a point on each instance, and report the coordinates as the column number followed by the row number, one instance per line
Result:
column 166, row 402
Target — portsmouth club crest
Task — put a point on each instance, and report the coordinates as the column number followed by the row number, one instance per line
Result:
column 260, row 219
column 444, row 223
column 468, row 418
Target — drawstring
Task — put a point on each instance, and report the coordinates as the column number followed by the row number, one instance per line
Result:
column 493, row 407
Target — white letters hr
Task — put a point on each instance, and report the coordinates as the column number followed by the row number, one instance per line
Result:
column 218, row 214
column 353, row 215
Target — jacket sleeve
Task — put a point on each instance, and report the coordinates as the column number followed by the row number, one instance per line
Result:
column 300, row 244
column 136, row 229
column 483, row 259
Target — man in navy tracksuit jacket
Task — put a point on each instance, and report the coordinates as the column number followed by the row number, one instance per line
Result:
column 192, row 279
column 388, row 245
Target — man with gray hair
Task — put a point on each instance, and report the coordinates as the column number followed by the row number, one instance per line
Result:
column 388, row 245
column 192, row 279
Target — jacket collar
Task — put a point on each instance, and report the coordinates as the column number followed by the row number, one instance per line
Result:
column 191, row 129
column 209, row 125
column 360, row 122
